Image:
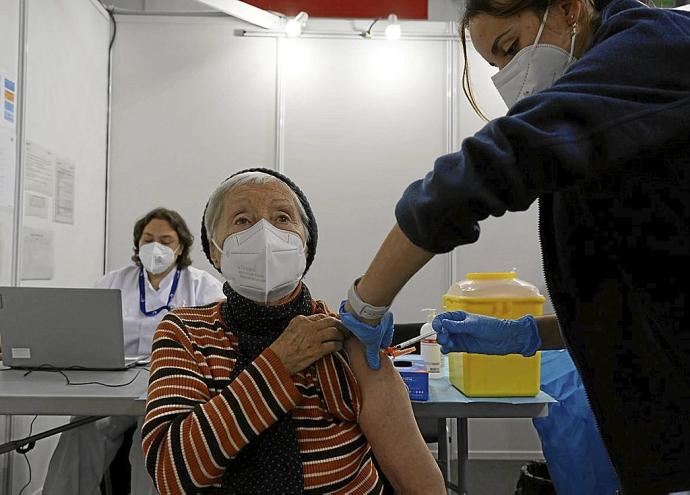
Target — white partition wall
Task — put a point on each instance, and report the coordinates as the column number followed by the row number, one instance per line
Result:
column 192, row 104
column 9, row 48
column 352, row 121
column 66, row 116
column 62, row 199
column 362, row 120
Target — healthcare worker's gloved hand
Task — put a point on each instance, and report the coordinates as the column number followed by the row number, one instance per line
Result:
column 373, row 338
column 459, row 331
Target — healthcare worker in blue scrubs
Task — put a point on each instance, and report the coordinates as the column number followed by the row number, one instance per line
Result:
column 159, row 279
column 599, row 132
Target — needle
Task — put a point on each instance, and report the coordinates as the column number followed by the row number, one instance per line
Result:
column 413, row 341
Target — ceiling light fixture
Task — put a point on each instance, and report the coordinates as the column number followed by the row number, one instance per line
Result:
column 393, row 30
column 293, row 27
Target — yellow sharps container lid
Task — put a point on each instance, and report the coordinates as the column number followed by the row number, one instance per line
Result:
column 494, row 285
column 491, row 275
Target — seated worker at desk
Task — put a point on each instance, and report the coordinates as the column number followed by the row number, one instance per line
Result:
column 160, row 278
column 258, row 393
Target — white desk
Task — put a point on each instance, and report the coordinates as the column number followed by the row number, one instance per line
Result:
column 46, row 393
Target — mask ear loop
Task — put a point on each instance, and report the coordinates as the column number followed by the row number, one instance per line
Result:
column 534, row 47
column 541, row 28
column 573, row 34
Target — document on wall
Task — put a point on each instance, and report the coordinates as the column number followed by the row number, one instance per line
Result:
column 8, row 101
column 35, row 205
column 64, row 191
column 38, row 254
column 7, row 168
column 39, row 175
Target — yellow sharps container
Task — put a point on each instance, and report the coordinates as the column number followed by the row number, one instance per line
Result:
column 501, row 295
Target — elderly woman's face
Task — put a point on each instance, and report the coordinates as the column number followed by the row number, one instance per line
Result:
column 248, row 204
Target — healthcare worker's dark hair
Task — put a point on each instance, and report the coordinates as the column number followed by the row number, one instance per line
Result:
column 176, row 222
column 495, row 8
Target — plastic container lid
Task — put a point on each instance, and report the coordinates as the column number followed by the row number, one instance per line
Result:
column 494, row 285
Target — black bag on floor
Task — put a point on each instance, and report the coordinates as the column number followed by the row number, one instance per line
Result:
column 534, row 480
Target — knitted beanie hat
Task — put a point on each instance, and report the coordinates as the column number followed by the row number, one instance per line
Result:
column 311, row 228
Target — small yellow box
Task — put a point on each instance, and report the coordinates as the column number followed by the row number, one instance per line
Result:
column 500, row 295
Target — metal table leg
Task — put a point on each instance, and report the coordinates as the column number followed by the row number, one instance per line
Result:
column 463, row 450
column 444, row 451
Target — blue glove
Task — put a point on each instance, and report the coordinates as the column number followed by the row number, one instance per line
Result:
column 466, row 332
column 373, row 338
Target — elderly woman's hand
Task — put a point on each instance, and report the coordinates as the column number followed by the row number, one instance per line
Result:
column 307, row 339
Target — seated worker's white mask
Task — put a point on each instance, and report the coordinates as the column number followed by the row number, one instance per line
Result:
column 263, row 263
column 156, row 257
column 533, row 69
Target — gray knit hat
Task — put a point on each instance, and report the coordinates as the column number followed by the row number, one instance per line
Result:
column 311, row 228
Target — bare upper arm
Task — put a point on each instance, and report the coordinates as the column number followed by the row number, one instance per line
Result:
column 387, row 420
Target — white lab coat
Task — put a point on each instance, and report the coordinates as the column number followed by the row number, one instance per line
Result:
column 195, row 288
column 84, row 454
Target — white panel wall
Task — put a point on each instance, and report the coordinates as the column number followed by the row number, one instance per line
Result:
column 9, row 39
column 66, row 96
column 362, row 120
column 66, row 113
column 193, row 103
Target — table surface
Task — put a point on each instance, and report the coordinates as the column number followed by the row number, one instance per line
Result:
column 46, row 393
column 445, row 401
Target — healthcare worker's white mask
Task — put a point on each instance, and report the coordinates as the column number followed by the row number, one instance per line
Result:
column 156, row 257
column 533, row 69
column 263, row 263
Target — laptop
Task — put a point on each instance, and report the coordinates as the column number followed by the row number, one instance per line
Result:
column 63, row 328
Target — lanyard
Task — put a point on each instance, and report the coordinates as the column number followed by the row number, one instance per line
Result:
column 142, row 294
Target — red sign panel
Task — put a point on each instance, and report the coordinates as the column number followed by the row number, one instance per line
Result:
column 351, row 9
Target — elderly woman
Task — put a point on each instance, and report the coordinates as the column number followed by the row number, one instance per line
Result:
column 260, row 393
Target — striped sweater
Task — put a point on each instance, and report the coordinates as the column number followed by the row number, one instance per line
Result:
column 197, row 420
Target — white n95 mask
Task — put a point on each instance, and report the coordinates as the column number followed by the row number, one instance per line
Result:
column 263, row 263
column 156, row 257
column 533, row 69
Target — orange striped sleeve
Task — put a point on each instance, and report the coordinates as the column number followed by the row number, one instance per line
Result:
column 188, row 436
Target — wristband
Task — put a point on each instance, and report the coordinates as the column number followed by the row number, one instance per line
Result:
column 362, row 309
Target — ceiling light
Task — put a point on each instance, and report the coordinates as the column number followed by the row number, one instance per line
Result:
column 293, row 27
column 393, row 30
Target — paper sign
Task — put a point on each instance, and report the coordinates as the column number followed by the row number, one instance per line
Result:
column 40, row 169
column 38, row 254
column 64, row 191
column 35, row 206
column 8, row 102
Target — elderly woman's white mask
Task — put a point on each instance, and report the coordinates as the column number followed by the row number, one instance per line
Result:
column 263, row 263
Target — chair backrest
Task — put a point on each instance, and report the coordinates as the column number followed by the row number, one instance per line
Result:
column 403, row 332
column 406, row 331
